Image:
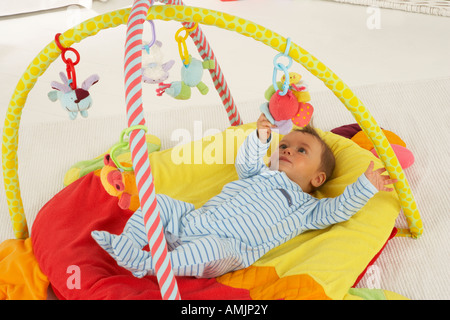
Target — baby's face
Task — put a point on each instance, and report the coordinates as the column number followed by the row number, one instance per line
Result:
column 299, row 157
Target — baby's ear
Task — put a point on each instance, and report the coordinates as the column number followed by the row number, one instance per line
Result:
column 319, row 179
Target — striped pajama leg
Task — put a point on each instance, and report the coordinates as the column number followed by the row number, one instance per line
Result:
column 204, row 256
column 126, row 247
column 132, row 233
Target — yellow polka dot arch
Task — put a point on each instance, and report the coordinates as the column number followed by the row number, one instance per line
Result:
column 207, row 17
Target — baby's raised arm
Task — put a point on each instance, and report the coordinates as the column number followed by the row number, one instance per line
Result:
column 264, row 128
column 249, row 159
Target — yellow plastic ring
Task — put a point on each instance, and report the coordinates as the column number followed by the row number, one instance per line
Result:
column 182, row 47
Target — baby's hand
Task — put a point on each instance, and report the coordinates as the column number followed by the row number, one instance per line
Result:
column 377, row 179
column 264, row 128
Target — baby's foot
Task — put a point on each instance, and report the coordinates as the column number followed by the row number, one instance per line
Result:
column 137, row 261
column 104, row 240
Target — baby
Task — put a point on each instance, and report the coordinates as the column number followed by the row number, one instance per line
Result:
column 264, row 208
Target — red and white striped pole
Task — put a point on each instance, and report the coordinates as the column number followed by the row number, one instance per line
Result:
column 139, row 151
column 206, row 52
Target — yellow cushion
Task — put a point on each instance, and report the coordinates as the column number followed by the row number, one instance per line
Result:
column 333, row 257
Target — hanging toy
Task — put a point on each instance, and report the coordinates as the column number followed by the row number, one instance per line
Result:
column 72, row 98
column 191, row 76
column 288, row 99
column 292, row 108
column 153, row 69
column 298, row 87
column 191, row 72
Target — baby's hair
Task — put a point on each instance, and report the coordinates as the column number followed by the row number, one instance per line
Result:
column 328, row 162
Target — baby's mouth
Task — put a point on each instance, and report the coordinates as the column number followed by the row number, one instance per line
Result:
column 282, row 158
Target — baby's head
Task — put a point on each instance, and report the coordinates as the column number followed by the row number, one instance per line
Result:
column 305, row 158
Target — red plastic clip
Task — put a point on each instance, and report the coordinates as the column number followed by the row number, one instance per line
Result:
column 70, row 65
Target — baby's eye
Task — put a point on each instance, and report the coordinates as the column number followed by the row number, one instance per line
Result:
column 302, row 150
column 282, row 146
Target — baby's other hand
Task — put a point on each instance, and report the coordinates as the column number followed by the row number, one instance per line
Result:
column 378, row 180
column 264, row 128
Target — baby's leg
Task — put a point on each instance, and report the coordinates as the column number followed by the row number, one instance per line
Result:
column 126, row 248
column 171, row 211
column 133, row 234
column 134, row 230
column 205, row 257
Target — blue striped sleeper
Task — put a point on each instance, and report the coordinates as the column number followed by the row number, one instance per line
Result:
column 252, row 215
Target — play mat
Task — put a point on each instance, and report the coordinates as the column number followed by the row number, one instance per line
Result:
column 322, row 264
